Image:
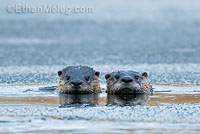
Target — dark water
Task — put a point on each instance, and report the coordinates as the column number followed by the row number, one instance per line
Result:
column 163, row 41
column 160, row 37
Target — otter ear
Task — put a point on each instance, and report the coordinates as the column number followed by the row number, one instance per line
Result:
column 97, row 73
column 107, row 76
column 59, row 73
column 144, row 74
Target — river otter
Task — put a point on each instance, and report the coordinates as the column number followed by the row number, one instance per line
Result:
column 127, row 82
column 78, row 79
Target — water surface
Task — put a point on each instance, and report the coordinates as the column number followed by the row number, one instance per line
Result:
column 159, row 37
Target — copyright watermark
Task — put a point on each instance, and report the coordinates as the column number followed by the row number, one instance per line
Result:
column 49, row 9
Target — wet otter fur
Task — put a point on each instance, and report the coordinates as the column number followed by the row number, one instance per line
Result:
column 128, row 82
column 78, row 80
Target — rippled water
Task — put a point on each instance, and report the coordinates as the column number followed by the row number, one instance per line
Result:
column 28, row 109
column 159, row 37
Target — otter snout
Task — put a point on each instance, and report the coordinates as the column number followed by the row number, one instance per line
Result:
column 76, row 82
column 126, row 80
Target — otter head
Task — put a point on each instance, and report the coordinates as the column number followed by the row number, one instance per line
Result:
column 78, row 79
column 127, row 82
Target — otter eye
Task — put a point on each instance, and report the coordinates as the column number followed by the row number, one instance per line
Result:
column 136, row 77
column 67, row 77
column 117, row 76
column 87, row 78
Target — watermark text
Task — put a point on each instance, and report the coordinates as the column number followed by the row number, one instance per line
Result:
column 60, row 9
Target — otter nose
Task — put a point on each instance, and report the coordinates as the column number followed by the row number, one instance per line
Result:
column 76, row 82
column 127, row 80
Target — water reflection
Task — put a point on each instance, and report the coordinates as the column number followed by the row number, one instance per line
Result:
column 157, row 99
column 130, row 100
column 67, row 100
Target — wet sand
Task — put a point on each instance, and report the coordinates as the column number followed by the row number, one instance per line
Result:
column 38, row 111
column 157, row 99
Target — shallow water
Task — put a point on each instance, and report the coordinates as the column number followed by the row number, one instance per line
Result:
column 159, row 37
column 33, row 110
